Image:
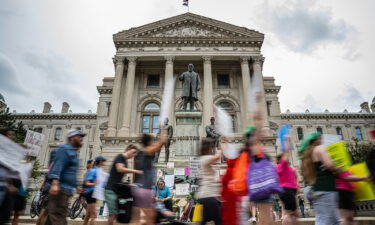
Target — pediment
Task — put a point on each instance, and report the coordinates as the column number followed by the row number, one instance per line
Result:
column 188, row 26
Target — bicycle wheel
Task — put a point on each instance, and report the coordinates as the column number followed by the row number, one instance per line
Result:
column 33, row 208
column 39, row 205
column 76, row 209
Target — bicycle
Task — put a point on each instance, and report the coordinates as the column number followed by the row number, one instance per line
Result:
column 76, row 208
column 37, row 203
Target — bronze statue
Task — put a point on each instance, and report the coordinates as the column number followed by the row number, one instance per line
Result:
column 211, row 132
column 191, row 84
column 169, row 129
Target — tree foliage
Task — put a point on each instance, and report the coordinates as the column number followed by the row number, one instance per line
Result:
column 359, row 150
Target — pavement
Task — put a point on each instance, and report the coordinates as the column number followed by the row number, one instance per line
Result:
column 26, row 220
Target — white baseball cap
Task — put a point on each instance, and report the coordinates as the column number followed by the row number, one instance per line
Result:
column 75, row 132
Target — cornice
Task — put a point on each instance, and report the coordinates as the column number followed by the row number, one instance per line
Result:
column 272, row 90
column 54, row 116
column 327, row 116
column 104, row 89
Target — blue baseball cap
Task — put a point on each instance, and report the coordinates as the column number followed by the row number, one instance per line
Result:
column 100, row 158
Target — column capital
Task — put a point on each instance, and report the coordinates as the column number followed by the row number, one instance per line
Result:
column 169, row 58
column 244, row 59
column 118, row 60
column 258, row 59
column 132, row 60
column 207, row 58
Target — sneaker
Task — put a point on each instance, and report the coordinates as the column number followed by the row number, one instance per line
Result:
column 252, row 219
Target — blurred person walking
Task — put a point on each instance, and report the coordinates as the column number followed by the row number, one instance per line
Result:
column 90, row 181
column 64, row 178
column 301, row 204
column 119, row 168
column 209, row 190
column 143, row 195
column 288, row 181
column 318, row 171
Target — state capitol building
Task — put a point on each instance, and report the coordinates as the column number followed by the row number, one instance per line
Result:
column 227, row 58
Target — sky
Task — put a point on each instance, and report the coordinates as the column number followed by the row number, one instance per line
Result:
column 321, row 52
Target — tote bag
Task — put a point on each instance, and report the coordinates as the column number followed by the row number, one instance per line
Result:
column 263, row 180
column 238, row 184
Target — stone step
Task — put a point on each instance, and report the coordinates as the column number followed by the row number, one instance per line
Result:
column 26, row 220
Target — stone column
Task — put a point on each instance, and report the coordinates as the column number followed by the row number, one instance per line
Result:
column 112, row 121
column 245, row 70
column 258, row 78
column 169, row 78
column 128, row 97
column 207, row 90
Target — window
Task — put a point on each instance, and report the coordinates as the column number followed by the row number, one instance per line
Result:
column 223, row 81
column 228, row 107
column 153, row 81
column 39, row 130
column 320, row 130
column 358, row 133
column 339, row 132
column 299, row 133
column 150, row 118
column 78, row 128
column 58, row 133
column 269, row 103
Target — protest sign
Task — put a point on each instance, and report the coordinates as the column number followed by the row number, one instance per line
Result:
column 283, row 134
column 11, row 155
column 34, row 142
column 179, row 171
column 170, row 165
column 364, row 190
column 182, row 189
column 169, row 180
column 339, row 154
column 194, row 166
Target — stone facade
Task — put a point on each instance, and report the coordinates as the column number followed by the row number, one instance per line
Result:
column 229, row 61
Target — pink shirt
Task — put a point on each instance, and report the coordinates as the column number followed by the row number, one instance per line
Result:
column 343, row 184
column 287, row 175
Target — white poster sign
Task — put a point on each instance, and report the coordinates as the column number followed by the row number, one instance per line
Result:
column 169, row 180
column 182, row 189
column 329, row 139
column 194, row 166
column 179, row 171
column 34, row 142
column 11, row 155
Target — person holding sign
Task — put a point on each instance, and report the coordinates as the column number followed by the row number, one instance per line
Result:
column 318, row 171
column 345, row 189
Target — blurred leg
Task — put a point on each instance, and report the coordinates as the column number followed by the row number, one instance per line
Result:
column 265, row 217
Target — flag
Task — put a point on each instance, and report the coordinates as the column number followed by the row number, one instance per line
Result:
column 185, row 2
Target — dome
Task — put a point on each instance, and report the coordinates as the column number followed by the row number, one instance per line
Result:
column 2, row 99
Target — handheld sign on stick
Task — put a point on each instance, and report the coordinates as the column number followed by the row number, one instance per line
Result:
column 283, row 134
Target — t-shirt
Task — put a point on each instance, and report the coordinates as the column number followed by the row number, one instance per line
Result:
column 301, row 201
column 163, row 193
column 145, row 163
column 114, row 176
column 287, row 175
column 209, row 183
column 90, row 176
column 343, row 184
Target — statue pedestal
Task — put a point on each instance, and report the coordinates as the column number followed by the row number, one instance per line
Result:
column 187, row 136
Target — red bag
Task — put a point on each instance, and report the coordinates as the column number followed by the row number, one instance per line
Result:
column 238, row 183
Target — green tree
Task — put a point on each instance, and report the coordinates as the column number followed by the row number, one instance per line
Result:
column 359, row 150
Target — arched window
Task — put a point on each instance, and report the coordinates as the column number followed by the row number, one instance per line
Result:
column 339, row 132
column 358, row 133
column 58, row 133
column 150, row 118
column 319, row 130
column 299, row 133
column 228, row 107
column 39, row 130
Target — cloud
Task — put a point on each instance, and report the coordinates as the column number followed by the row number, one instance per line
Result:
column 304, row 27
column 350, row 98
column 309, row 103
column 9, row 81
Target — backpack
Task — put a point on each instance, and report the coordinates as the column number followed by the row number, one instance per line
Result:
column 238, row 183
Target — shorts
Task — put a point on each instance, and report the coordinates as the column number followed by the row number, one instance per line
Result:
column 288, row 197
column 346, row 199
column 143, row 198
column 112, row 201
column 19, row 203
column 89, row 199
